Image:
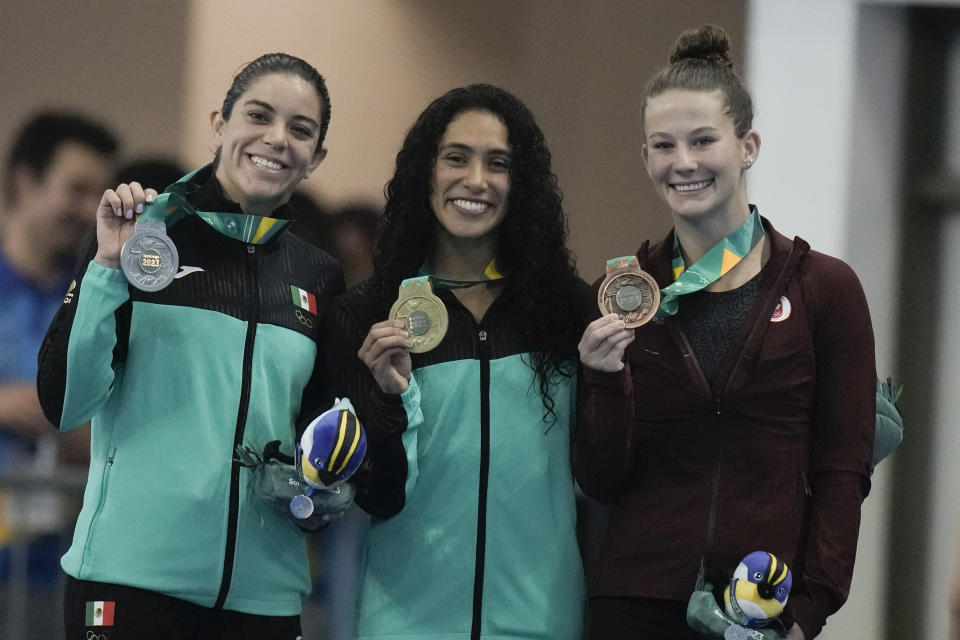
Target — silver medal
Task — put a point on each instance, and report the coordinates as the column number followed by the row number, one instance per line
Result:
column 149, row 258
column 301, row 506
column 736, row 632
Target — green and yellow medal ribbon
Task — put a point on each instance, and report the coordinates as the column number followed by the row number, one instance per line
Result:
column 722, row 257
column 489, row 273
column 171, row 206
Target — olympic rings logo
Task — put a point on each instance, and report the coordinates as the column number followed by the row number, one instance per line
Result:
column 305, row 321
column 93, row 635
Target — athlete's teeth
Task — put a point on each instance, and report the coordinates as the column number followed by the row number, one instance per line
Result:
column 691, row 187
column 263, row 162
column 469, row 204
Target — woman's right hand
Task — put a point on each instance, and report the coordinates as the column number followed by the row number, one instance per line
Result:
column 604, row 342
column 386, row 352
column 116, row 217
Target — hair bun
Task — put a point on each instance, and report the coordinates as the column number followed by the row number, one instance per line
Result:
column 709, row 43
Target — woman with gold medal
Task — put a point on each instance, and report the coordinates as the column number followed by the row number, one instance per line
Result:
column 738, row 415
column 466, row 337
column 194, row 331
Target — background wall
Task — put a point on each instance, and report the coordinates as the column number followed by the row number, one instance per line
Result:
column 857, row 105
column 828, row 171
column 123, row 62
column 156, row 69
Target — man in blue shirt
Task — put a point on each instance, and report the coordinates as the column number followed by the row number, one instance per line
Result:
column 57, row 169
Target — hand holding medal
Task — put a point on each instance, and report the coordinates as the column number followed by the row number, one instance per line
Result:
column 628, row 297
column 422, row 313
column 149, row 258
column 133, row 218
column 418, row 322
column 629, row 292
column 116, row 217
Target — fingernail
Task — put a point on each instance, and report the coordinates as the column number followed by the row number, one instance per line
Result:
column 129, row 213
column 119, row 213
column 150, row 197
column 140, row 208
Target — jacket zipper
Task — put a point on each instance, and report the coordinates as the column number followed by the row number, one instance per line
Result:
column 714, row 486
column 484, row 352
column 104, row 483
column 234, row 506
column 785, row 271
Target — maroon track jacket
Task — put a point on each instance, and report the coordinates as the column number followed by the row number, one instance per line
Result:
column 775, row 457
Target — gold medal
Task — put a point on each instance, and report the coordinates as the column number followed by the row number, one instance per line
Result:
column 629, row 291
column 422, row 312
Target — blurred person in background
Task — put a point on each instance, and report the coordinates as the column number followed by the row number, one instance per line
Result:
column 354, row 238
column 57, row 168
column 348, row 233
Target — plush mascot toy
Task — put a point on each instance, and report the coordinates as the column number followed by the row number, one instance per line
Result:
column 758, row 590
column 332, row 447
column 330, row 450
column 312, row 484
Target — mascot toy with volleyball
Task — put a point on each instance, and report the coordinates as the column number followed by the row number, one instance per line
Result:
column 330, row 450
column 758, row 590
column 311, row 485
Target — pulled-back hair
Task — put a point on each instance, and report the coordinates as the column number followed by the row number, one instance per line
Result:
column 279, row 63
column 539, row 275
column 700, row 61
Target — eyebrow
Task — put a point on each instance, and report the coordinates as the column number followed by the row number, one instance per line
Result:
column 499, row 151
column 696, row 132
column 267, row 105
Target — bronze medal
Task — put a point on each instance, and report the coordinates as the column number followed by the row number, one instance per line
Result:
column 629, row 291
column 422, row 312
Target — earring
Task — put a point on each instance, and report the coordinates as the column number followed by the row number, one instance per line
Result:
column 748, row 163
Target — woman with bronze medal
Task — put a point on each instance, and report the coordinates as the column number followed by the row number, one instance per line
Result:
column 194, row 334
column 736, row 414
column 466, row 337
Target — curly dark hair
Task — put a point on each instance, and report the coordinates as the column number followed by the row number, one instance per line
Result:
column 540, row 278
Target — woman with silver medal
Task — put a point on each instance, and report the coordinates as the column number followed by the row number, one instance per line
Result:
column 736, row 415
column 466, row 337
column 190, row 362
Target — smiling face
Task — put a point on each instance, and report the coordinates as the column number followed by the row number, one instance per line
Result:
column 694, row 157
column 269, row 144
column 471, row 178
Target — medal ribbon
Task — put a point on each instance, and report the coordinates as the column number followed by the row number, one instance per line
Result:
column 171, row 206
column 722, row 257
column 418, row 280
column 489, row 273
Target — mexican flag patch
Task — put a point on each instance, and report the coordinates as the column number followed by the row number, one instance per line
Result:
column 304, row 300
column 100, row 613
